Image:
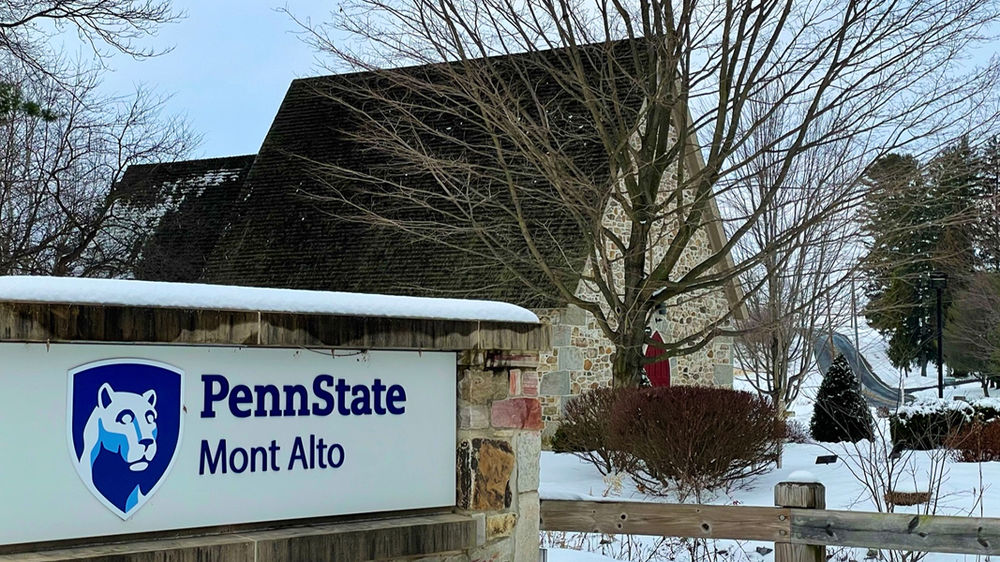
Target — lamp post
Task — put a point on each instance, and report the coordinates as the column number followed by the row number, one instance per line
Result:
column 939, row 280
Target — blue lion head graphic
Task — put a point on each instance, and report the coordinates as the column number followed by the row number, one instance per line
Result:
column 125, row 427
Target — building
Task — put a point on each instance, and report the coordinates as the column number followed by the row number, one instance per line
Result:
column 263, row 220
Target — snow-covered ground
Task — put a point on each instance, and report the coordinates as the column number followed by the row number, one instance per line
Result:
column 566, row 477
column 965, row 489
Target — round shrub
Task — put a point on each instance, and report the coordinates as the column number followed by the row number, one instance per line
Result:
column 695, row 439
column 840, row 413
column 929, row 422
column 584, row 431
column 987, row 409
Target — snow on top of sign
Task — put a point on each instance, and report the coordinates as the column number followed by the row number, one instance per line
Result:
column 224, row 297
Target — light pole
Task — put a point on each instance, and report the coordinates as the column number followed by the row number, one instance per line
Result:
column 939, row 280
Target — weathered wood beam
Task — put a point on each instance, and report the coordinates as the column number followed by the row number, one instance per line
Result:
column 55, row 323
column 897, row 531
column 376, row 539
column 671, row 520
column 790, row 527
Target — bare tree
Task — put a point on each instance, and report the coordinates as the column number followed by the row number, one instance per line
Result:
column 60, row 208
column 972, row 332
column 803, row 282
column 28, row 29
column 640, row 109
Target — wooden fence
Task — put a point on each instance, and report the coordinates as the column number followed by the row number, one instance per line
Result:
column 799, row 525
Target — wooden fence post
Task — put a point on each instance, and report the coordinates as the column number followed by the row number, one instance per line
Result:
column 802, row 495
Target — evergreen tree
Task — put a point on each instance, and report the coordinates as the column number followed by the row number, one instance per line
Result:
column 840, row 413
column 956, row 187
column 988, row 231
column 12, row 101
column 900, row 304
column 921, row 222
column 972, row 332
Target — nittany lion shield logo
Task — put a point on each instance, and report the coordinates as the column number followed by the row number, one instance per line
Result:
column 124, row 428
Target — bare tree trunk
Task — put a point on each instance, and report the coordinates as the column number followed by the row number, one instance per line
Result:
column 626, row 366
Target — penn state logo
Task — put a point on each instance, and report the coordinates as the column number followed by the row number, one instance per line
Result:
column 124, row 428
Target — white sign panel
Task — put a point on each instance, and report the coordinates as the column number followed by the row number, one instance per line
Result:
column 110, row 439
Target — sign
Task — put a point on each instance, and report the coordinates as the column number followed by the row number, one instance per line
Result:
column 111, row 439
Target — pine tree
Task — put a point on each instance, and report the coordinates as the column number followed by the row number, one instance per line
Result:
column 902, row 235
column 988, row 231
column 12, row 102
column 956, row 187
column 840, row 413
column 923, row 219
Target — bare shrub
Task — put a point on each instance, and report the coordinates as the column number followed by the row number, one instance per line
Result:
column 976, row 442
column 584, row 431
column 797, row 432
column 695, row 439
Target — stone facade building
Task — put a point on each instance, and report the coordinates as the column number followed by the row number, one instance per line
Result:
column 581, row 355
column 278, row 233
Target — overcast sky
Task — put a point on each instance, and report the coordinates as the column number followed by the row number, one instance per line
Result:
column 231, row 64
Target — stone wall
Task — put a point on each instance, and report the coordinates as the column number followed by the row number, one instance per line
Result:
column 499, row 440
column 580, row 356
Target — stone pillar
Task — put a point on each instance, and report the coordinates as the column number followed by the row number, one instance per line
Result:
column 499, row 441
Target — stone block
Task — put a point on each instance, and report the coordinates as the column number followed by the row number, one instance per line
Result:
column 501, row 550
column 514, row 382
column 494, row 464
column 503, row 359
column 517, row 413
column 528, row 447
column 473, row 417
column 574, row 316
column 555, row 383
column 500, row 525
column 480, row 387
column 464, row 471
column 529, row 383
column 480, row 519
column 561, row 335
column 570, row 359
column 548, row 433
column 526, row 531
column 723, row 375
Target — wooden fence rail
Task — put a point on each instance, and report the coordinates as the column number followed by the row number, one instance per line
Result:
column 799, row 526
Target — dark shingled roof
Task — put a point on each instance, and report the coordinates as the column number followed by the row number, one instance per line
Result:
column 187, row 205
column 286, row 237
column 278, row 233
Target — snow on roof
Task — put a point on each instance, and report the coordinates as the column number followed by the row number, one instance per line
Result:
column 68, row 290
